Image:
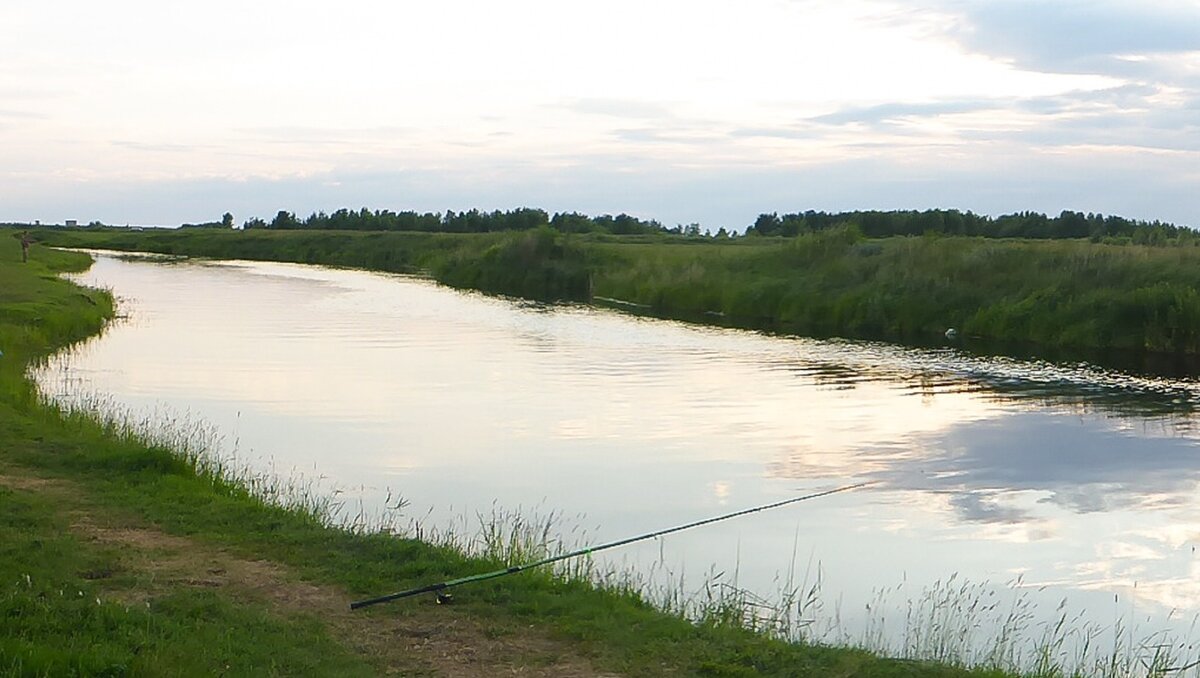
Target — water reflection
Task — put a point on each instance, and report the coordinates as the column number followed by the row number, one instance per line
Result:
column 1079, row 479
column 931, row 372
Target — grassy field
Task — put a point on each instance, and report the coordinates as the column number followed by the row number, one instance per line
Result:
column 1069, row 299
column 119, row 557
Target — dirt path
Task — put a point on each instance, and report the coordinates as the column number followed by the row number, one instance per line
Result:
column 432, row 640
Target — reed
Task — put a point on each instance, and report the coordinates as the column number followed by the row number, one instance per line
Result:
column 1075, row 298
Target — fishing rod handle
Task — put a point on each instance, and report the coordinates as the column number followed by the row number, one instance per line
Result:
column 397, row 596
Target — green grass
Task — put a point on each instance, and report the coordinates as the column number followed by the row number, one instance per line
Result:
column 1054, row 294
column 62, row 614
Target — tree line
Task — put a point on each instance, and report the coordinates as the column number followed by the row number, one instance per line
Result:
column 1067, row 225
column 470, row 221
column 871, row 223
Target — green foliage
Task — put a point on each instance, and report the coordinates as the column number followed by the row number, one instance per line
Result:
column 1067, row 225
column 39, row 312
column 1060, row 294
column 539, row 264
column 470, row 221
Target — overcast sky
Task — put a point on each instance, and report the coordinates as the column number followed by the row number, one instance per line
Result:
column 709, row 111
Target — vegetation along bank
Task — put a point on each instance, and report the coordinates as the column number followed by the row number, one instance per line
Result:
column 1069, row 298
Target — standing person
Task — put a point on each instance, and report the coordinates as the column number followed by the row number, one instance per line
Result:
column 26, row 241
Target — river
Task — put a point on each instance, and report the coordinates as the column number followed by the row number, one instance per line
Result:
column 997, row 482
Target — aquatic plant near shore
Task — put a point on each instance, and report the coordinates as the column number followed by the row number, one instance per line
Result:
column 201, row 446
column 540, row 264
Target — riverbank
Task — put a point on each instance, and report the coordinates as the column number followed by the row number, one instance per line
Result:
column 1126, row 306
column 121, row 558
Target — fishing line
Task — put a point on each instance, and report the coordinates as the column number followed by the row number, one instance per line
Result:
column 441, row 586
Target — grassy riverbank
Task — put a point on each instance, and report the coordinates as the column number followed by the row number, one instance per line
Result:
column 1067, row 298
column 119, row 557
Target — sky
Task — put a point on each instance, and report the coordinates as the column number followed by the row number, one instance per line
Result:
column 685, row 111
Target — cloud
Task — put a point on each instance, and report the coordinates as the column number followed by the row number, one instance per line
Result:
column 11, row 114
column 1105, row 107
column 701, row 112
column 1134, row 117
column 693, row 137
column 796, row 132
column 14, row 119
column 325, row 136
column 1124, row 97
column 1150, row 52
column 157, row 147
column 1076, row 36
column 890, row 112
column 636, row 109
column 985, row 177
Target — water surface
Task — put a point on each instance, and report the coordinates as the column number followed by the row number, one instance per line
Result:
column 1079, row 484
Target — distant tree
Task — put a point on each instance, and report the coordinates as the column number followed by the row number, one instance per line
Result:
column 871, row 223
column 624, row 224
column 930, row 221
column 227, row 220
column 792, row 225
column 953, row 222
column 572, row 222
column 284, row 219
column 767, row 224
column 524, row 219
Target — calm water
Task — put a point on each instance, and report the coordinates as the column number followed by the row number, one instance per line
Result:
column 1075, row 483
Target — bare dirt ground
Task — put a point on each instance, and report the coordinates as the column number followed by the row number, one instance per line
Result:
column 427, row 640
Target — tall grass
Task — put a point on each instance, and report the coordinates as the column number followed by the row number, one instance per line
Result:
column 956, row 623
column 1072, row 295
column 204, row 450
column 1056, row 294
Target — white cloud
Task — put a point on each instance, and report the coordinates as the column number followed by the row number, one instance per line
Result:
column 1077, row 35
column 133, row 91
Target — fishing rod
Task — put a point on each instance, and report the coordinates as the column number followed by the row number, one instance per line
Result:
column 441, row 586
